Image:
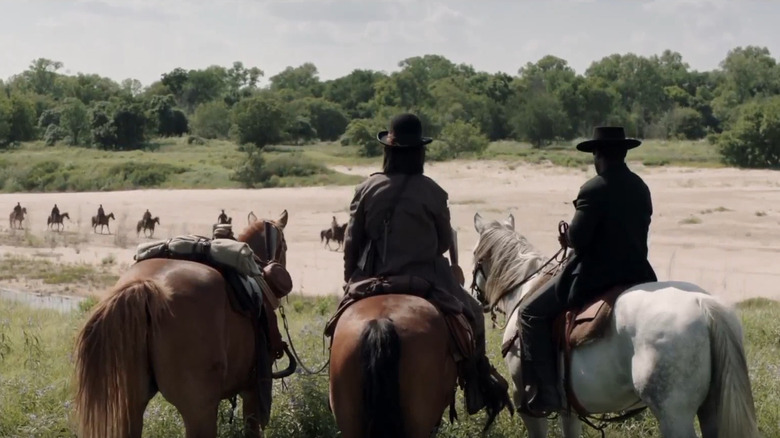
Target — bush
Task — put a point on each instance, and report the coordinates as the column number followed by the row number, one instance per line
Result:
column 211, row 120
column 461, row 137
column 53, row 134
column 362, row 133
column 754, row 138
column 293, row 165
column 194, row 139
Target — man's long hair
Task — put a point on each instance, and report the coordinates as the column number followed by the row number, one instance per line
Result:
column 404, row 160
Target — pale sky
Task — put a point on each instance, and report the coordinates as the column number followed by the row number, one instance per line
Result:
column 143, row 38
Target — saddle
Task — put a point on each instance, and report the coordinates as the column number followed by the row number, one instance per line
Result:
column 577, row 327
column 461, row 334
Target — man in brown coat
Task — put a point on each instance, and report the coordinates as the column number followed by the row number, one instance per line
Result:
column 400, row 224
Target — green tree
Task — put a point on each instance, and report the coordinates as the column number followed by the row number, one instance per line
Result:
column 327, row 119
column 74, row 120
column 211, row 120
column 754, row 139
column 353, row 92
column 260, row 120
column 302, row 81
column 362, row 133
column 24, row 119
column 458, row 138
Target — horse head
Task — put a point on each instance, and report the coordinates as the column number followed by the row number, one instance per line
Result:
column 110, row 216
column 266, row 238
column 64, row 215
column 503, row 260
column 156, row 220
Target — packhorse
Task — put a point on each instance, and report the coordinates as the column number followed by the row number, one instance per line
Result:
column 57, row 220
column 666, row 345
column 147, row 226
column 16, row 218
column 168, row 326
column 103, row 222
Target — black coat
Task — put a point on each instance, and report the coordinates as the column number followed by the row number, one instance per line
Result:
column 609, row 236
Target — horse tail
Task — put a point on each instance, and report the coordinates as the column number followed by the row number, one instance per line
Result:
column 322, row 236
column 112, row 368
column 736, row 414
column 380, row 351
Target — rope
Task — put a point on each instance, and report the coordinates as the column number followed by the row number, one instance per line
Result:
column 295, row 353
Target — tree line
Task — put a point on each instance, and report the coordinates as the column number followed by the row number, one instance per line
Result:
column 658, row 97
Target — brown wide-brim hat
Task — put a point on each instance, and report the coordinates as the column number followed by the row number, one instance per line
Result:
column 610, row 137
column 405, row 131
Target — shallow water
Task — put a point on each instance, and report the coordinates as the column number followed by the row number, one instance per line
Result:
column 62, row 303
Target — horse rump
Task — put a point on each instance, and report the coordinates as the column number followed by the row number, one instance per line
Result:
column 113, row 376
column 380, row 352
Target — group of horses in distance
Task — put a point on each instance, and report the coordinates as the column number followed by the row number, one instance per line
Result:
column 167, row 326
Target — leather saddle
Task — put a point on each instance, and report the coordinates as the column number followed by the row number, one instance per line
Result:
column 461, row 333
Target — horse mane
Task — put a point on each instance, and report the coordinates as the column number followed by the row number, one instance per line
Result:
column 509, row 258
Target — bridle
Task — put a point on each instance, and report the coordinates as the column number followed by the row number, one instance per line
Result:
column 274, row 250
column 563, row 228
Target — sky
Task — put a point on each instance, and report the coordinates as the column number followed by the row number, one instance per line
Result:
column 141, row 39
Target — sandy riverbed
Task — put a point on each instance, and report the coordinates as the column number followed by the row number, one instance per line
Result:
column 731, row 248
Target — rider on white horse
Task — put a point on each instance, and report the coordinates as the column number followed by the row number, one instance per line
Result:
column 609, row 236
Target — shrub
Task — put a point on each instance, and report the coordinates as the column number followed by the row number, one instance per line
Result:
column 362, row 133
column 754, row 138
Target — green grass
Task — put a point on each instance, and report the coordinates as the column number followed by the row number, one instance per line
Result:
column 17, row 267
column 650, row 153
column 170, row 163
column 175, row 164
column 36, row 366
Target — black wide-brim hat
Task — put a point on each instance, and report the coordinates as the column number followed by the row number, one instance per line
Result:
column 608, row 136
column 405, row 131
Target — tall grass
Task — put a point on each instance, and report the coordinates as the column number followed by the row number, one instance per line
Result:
column 36, row 365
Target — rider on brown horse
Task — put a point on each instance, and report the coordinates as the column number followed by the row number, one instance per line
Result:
column 55, row 213
column 18, row 209
column 101, row 214
column 609, row 237
column 415, row 243
column 223, row 218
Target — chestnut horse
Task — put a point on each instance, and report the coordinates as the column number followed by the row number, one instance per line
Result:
column 103, row 222
column 392, row 371
column 168, row 326
column 15, row 218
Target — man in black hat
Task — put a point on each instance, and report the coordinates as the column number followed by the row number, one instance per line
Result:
column 100, row 213
column 400, row 225
column 609, row 236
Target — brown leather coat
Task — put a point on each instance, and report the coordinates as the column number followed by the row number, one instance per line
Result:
column 420, row 231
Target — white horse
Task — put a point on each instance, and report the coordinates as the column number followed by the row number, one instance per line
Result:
column 669, row 346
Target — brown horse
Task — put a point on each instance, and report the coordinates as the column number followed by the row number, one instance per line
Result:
column 168, row 326
column 103, row 222
column 52, row 221
column 392, row 371
column 147, row 226
column 17, row 217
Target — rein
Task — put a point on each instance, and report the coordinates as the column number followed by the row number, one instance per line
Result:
column 271, row 242
column 563, row 227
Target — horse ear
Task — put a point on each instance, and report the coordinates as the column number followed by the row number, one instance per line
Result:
column 510, row 221
column 283, row 219
column 479, row 224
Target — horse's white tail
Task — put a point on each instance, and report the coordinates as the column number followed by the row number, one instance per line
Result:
column 730, row 382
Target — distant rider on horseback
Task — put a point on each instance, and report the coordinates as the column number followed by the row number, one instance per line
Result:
column 223, row 218
column 401, row 198
column 18, row 209
column 609, row 236
column 101, row 214
column 147, row 218
column 55, row 214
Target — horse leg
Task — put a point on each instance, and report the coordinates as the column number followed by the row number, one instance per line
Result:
column 250, row 410
column 672, row 390
column 570, row 424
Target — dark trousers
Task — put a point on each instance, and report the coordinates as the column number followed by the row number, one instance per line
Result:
column 537, row 315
